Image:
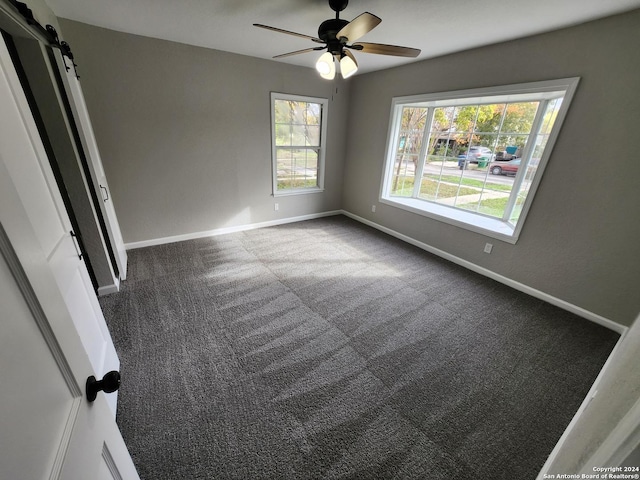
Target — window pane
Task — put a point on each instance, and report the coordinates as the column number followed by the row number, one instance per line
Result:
column 313, row 114
column 283, row 135
column 443, row 141
column 465, row 120
column 284, row 167
column 450, row 185
column 510, row 146
column 296, row 168
column 298, row 135
column 282, row 111
column 297, row 113
column 496, row 194
column 409, row 143
column 412, row 130
column 519, row 117
column 429, row 187
column 312, row 136
column 403, row 175
column 549, row 118
column 305, row 168
column 489, row 119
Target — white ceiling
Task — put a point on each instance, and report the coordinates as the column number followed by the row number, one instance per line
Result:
column 435, row 27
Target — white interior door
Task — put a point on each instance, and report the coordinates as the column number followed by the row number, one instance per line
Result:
column 49, row 430
column 27, row 168
column 98, row 178
column 52, row 332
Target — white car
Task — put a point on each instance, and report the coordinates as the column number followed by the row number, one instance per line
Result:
column 474, row 153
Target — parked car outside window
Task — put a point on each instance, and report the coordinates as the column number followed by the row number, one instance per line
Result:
column 474, row 153
column 509, row 153
column 505, row 168
column 478, row 155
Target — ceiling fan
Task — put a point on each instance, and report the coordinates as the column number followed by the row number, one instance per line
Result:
column 337, row 36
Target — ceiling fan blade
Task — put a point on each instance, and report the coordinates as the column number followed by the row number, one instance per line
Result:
column 359, row 26
column 299, row 51
column 288, row 32
column 382, row 49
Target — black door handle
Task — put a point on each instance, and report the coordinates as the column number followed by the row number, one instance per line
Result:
column 106, row 192
column 76, row 244
column 109, row 383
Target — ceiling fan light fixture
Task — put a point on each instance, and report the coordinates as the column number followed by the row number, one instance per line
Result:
column 326, row 66
column 348, row 64
column 336, row 34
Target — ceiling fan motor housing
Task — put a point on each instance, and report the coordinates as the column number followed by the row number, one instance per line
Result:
column 327, row 33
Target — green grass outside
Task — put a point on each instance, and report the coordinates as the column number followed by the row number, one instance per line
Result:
column 490, row 206
column 494, row 207
column 428, row 189
column 290, row 184
column 437, row 158
column 472, row 182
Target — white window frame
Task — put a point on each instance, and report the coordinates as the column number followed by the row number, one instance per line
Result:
column 476, row 222
column 320, row 151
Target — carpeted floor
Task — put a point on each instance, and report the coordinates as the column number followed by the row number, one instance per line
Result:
column 326, row 349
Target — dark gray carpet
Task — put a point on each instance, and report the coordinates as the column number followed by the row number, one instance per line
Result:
column 326, row 349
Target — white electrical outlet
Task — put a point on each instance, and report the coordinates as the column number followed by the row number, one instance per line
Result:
column 373, row 208
column 488, row 247
column 276, row 206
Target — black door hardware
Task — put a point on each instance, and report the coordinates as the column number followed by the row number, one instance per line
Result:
column 109, row 383
column 106, row 192
column 76, row 244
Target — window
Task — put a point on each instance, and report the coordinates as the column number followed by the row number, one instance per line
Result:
column 299, row 132
column 474, row 158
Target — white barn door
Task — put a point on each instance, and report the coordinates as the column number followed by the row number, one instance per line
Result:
column 28, row 166
column 53, row 335
column 90, row 147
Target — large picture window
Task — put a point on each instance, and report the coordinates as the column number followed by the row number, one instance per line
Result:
column 474, row 158
column 298, row 131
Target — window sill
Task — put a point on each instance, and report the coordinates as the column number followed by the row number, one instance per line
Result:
column 491, row 227
column 301, row 191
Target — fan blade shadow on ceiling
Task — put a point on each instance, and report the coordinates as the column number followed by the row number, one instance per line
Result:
column 383, row 49
column 359, row 26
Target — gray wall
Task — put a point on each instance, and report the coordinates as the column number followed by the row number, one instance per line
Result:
column 185, row 138
column 184, row 132
column 581, row 240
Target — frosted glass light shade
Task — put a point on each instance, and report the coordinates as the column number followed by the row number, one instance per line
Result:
column 348, row 64
column 326, row 66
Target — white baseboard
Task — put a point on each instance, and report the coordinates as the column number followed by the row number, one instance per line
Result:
column 222, row 231
column 108, row 290
column 605, row 322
